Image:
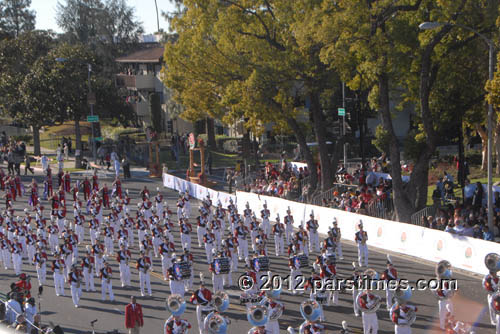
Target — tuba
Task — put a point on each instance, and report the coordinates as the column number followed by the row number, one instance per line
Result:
column 368, row 309
column 492, row 262
column 310, row 310
column 443, row 269
column 257, row 315
column 176, row 305
column 221, row 301
column 402, row 296
column 216, row 323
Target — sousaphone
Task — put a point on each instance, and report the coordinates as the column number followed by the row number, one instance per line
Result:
column 176, row 305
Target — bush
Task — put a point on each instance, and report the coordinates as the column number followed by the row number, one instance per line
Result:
column 230, row 145
column 474, row 158
column 220, row 141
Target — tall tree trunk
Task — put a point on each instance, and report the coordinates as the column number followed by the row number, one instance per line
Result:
column 210, row 131
column 403, row 206
column 36, row 140
column 484, row 146
column 301, row 139
column 320, row 131
column 78, row 143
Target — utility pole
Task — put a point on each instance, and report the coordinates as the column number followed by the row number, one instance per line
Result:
column 91, row 102
column 343, row 125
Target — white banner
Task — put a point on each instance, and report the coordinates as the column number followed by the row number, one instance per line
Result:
column 433, row 245
column 195, row 190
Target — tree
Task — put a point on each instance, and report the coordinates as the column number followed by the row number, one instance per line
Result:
column 16, row 17
column 17, row 60
column 108, row 26
column 377, row 43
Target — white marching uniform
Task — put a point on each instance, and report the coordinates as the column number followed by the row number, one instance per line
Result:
column 444, row 305
column 58, row 277
column 40, row 260
column 370, row 319
column 265, row 213
column 362, row 248
column 88, row 274
column 399, row 316
column 288, row 221
column 491, row 285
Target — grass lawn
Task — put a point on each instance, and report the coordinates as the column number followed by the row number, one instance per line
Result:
column 476, row 174
column 52, row 135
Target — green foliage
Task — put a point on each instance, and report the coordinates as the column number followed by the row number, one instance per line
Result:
column 16, row 17
column 414, row 145
column 382, row 139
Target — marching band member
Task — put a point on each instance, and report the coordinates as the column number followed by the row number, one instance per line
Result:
column 175, row 325
column 337, row 236
column 254, row 230
column 143, row 266
column 16, row 251
column 314, row 292
column 360, row 238
column 53, row 237
column 491, row 285
column 399, row 314
column 188, row 258
column 186, row 229
column 5, row 244
column 109, row 236
column 209, row 239
column 176, row 283
column 294, row 270
column 217, row 281
column 247, row 214
column 302, row 238
column 58, row 266
column 93, row 229
column 123, row 257
column 98, row 252
column 273, row 306
column 129, row 225
column 106, row 284
column 231, row 244
column 202, row 298
column 278, row 230
column 240, row 234
column 159, row 203
column 187, row 204
column 88, row 265
column 31, row 240
column 366, row 301
column 201, row 230
column 312, row 229
column 288, row 221
column 444, row 292
column 141, row 228
column 180, row 205
column 265, row 214
column 356, row 279
column 74, row 278
column 157, row 233
column 147, row 246
column 165, row 249
column 329, row 272
column 40, row 259
column 78, row 223
column 389, row 275
column 261, row 242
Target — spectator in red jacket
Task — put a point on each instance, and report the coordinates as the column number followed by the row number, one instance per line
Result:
column 133, row 317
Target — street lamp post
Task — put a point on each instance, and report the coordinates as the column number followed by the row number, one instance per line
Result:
column 491, row 70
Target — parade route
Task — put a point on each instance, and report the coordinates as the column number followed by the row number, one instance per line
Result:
column 469, row 301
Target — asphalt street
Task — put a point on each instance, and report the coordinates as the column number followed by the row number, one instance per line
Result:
column 469, row 301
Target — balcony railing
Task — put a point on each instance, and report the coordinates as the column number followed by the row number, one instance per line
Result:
column 135, row 81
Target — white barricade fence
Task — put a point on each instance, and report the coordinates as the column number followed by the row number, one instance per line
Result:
column 432, row 245
column 196, row 190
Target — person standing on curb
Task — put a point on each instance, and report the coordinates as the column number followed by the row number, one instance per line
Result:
column 133, row 317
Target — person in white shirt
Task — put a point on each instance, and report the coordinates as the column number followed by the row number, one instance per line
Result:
column 30, row 311
column 12, row 308
column 45, row 163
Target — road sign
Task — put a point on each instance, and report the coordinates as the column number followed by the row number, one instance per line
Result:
column 91, row 99
column 98, row 138
column 93, row 119
column 341, row 111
